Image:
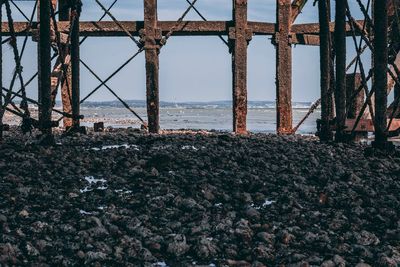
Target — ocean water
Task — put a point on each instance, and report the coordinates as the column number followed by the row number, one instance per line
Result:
column 192, row 116
column 260, row 119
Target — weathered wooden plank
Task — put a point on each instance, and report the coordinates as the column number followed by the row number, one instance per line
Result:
column 239, row 36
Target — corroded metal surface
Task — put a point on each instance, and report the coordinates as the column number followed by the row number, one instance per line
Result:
column 239, row 36
column 380, row 58
column 152, row 50
column 75, row 69
column 64, row 36
column 45, row 108
column 340, row 49
column 66, row 79
column 325, row 68
column 185, row 28
column 283, row 68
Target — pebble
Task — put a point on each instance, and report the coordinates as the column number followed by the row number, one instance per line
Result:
column 261, row 200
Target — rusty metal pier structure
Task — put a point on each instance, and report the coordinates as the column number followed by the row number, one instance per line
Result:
column 350, row 107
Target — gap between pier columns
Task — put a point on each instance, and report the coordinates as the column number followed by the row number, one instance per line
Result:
column 152, row 36
column 239, row 37
column 284, row 68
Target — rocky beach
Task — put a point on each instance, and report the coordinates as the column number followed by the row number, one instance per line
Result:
column 124, row 198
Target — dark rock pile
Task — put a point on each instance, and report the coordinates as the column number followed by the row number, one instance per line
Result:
column 126, row 199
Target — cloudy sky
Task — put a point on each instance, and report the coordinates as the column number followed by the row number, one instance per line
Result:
column 191, row 68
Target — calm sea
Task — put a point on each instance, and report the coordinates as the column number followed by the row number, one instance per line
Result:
column 204, row 116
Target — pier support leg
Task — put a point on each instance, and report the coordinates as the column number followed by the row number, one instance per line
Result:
column 152, row 50
column 340, row 47
column 66, row 80
column 1, row 70
column 284, row 68
column 325, row 67
column 380, row 72
column 396, row 96
column 239, row 37
column 45, row 108
column 75, row 72
column 353, row 82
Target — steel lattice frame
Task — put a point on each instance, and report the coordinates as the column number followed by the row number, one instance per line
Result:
column 151, row 35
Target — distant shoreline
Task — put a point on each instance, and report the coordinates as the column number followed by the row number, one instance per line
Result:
column 189, row 105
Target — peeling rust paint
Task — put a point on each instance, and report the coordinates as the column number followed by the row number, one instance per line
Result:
column 284, row 68
column 239, row 38
column 152, row 50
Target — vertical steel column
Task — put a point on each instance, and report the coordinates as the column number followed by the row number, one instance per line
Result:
column 325, row 66
column 239, row 36
column 380, row 71
column 1, row 68
column 152, row 50
column 284, row 68
column 64, row 13
column 340, row 47
column 353, row 83
column 66, row 81
column 45, row 108
column 75, row 71
column 396, row 96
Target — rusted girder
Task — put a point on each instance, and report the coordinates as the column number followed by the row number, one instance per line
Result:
column 185, row 28
column 367, row 125
column 1, row 70
column 305, row 39
column 239, row 36
column 152, row 36
column 66, row 79
column 75, row 69
column 283, row 68
column 325, row 67
column 340, row 48
column 355, row 101
column 380, row 59
column 297, row 7
column 45, row 108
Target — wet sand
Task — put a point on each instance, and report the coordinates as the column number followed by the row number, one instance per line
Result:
column 213, row 199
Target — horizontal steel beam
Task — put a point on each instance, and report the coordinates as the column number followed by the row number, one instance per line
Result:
column 367, row 125
column 185, row 28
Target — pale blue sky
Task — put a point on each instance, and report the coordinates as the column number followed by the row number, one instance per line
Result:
column 191, row 68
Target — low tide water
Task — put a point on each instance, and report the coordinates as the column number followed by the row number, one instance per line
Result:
column 258, row 119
